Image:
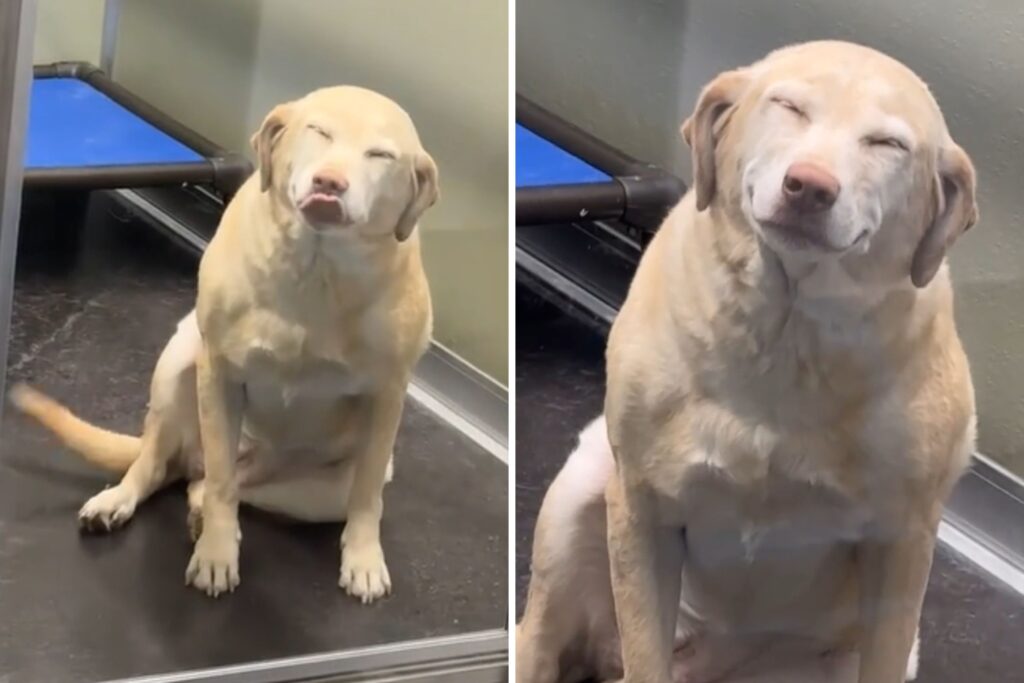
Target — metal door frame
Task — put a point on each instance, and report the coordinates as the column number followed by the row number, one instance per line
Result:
column 17, row 32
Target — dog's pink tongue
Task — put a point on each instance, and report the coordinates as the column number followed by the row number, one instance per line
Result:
column 321, row 209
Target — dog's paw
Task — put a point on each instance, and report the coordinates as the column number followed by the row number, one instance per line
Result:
column 107, row 510
column 213, row 568
column 364, row 574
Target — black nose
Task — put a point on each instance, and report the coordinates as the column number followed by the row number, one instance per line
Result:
column 809, row 188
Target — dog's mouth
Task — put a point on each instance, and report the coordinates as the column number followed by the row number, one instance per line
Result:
column 801, row 237
column 323, row 210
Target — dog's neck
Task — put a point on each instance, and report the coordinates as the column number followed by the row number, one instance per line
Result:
column 782, row 302
column 296, row 253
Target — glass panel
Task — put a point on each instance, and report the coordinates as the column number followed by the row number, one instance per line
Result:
column 630, row 73
column 107, row 267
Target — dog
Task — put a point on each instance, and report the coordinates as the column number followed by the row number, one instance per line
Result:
column 788, row 403
column 283, row 389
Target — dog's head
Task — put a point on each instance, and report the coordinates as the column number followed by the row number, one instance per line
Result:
column 346, row 160
column 831, row 150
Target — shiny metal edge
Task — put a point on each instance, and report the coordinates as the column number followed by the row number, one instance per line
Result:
column 469, row 392
column 987, row 510
column 479, row 657
column 166, row 220
column 564, row 286
column 17, row 32
column 108, row 37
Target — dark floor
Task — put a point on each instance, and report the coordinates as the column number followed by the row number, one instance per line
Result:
column 973, row 627
column 81, row 609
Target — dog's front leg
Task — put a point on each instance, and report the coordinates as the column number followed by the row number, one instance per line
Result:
column 894, row 574
column 363, row 572
column 646, row 560
column 213, row 568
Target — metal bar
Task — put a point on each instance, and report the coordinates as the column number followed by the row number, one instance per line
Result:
column 108, row 44
column 567, row 203
column 481, row 656
column 17, row 30
column 128, row 175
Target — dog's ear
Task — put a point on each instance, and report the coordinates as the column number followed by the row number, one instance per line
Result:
column 264, row 139
column 701, row 131
column 425, row 192
column 955, row 212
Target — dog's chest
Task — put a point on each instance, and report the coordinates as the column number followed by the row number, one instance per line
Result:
column 301, row 409
column 794, row 537
column 305, row 353
column 774, row 509
column 320, row 383
column 293, row 369
column 758, row 508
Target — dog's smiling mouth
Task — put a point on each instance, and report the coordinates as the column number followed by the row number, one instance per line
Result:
column 322, row 209
column 801, row 237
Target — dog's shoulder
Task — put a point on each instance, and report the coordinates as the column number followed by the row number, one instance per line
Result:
column 927, row 415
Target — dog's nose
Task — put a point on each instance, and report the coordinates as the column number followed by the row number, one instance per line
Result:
column 330, row 182
column 809, row 188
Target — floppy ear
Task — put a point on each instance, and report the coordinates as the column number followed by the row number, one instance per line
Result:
column 425, row 193
column 266, row 137
column 702, row 129
column 956, row 211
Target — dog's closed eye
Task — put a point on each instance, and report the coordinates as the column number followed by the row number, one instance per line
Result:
column 791, row 106
column 890, row 141
column 320, row 131
column 380, row 153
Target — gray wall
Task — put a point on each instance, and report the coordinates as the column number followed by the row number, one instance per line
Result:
column 629, row 71
column 68, row 31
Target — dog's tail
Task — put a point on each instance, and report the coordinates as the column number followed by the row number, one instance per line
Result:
column 111, row 451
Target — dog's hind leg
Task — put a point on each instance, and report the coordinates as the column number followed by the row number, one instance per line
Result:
column 310, row 495
column 170, row 434
column 113, row 507
column 568, row 630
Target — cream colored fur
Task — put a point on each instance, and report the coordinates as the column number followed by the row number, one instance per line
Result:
column 284, row 388
column 784, row 417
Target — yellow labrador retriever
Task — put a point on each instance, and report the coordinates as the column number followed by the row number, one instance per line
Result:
column 284, row 388
column 788, row 403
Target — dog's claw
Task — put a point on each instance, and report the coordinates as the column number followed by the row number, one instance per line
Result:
column 213, row 568
column 108, row 510
column 364, row 574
